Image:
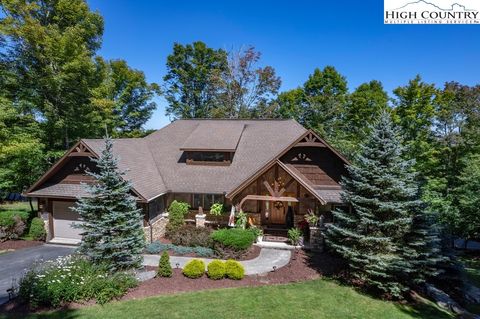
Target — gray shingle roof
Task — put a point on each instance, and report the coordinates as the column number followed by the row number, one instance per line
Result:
column 215, row 135
column 330, row 195
column 136, row 159
column 154, row 163
column 260, row 142
column 61, row 190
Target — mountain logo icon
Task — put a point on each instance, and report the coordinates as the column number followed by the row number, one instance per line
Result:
column 453, row 7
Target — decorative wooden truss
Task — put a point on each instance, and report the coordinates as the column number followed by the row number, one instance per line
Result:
column 310, row 140
column 275, row 194
column 80, row 150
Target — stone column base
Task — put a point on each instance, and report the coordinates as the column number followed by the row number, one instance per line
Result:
column 316, row 238
column 200, row 220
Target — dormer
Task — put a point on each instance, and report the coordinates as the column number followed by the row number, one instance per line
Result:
column 212, row 144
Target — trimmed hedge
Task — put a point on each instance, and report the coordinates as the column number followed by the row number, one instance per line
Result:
column 236, row 238
column 234, row 270
column 195, row 268
column 216, row 269
column 37, row 229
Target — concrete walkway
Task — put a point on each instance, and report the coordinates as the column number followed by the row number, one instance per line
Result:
column 262, row 264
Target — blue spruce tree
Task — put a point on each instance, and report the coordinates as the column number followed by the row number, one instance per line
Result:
column 112, row 227
column 386, row 239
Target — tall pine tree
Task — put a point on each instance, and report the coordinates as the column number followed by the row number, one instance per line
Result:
column 385, row 239
column 113, row 233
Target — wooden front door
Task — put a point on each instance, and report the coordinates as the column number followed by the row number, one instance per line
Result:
column 278, row 214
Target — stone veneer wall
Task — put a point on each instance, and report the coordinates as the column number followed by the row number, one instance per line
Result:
column 158, row 229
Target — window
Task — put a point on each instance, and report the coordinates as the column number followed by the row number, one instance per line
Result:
column 206, row 200
column 197, row 200
column 208, row 157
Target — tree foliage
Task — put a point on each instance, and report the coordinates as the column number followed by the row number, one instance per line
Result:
column 202, row 82
column 21, row 151
column 124, row 97
column 190, row 82
column 51, row 69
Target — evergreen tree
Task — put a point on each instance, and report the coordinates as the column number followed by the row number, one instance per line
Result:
column 164, row 267
column 112, row 225
column 383, row 227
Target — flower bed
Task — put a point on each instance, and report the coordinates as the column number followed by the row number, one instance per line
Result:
column 72, row 279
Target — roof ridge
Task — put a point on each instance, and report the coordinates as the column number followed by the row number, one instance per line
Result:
column 155, row 163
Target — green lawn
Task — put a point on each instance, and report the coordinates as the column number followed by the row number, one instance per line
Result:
column 17, row 206
column 314, row 299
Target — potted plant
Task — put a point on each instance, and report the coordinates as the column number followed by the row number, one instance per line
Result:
column 295, row 236
column 258, row 233
column 216, row 210
column 311, row 218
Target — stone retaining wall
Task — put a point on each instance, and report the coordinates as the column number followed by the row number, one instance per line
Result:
column 157, row 230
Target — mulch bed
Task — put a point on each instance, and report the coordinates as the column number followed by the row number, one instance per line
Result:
column 19, row 244
column 303, row 266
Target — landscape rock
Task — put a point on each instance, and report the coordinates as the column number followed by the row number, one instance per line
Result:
column 145, row 275
column 444, row 300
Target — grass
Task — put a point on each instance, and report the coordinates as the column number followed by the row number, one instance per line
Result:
column 313, row 299
column 22, row 208
column 17, row 206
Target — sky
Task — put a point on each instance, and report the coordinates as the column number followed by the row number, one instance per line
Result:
column 294, row 37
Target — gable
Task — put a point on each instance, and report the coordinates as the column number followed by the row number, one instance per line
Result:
column 311, row 159
column 68, row 176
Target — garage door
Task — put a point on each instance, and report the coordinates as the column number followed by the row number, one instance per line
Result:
column 63, row 220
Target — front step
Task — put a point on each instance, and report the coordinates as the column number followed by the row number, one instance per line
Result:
column 278, row 235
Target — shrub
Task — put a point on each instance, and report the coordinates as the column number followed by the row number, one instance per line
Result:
column 195, row 268
column 234, row 270
column 12, row 224
column 203, row 251
column 37, row 229
column 216, row 209
column 294, row 235
column 192, row 236
column 157, row 247
column 241, row 220
column 69, row 279
column 216, row 269
column 176, row 217
column 256, row 231
column 236, row 238
column 164, row 267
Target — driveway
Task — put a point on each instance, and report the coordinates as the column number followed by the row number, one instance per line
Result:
column 14, row 264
